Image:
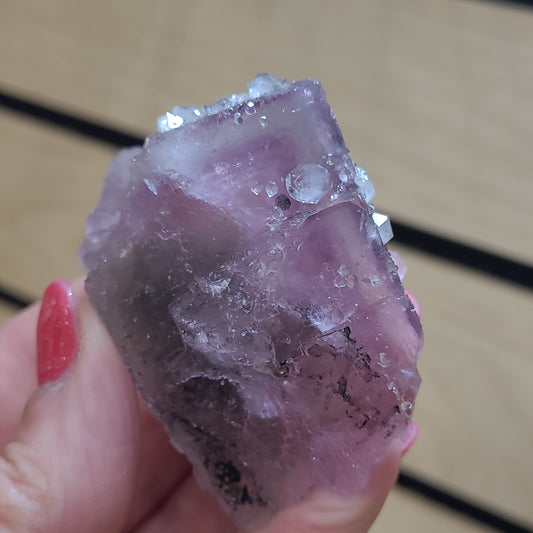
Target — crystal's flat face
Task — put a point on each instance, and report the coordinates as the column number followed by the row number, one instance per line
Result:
column 235, row 262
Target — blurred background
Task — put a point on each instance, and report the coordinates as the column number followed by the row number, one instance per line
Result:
column 435, row 99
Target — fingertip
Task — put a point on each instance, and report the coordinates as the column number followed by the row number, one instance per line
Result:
column 408, row 438
column 415, row 302
column 80, row 431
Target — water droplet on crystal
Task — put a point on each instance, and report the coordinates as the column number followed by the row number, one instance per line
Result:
column 237, row 118
column 256, row 188
column 308, row 184
column 271, row 189
column 250, row 108
column 263, row 121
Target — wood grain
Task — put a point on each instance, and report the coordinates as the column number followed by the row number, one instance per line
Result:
column 433, row 95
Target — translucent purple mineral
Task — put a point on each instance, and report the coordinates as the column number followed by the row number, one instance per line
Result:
column 242, row 274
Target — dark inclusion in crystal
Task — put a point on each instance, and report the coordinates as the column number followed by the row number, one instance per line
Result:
column 235, row 261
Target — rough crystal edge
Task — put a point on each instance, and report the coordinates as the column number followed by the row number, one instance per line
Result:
column 262, row 85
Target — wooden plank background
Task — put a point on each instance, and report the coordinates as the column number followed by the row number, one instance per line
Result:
column 435, row 100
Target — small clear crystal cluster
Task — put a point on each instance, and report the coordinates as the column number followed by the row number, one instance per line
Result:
column 242, row 272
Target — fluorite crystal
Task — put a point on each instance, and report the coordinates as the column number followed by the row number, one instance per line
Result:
column 236, row 263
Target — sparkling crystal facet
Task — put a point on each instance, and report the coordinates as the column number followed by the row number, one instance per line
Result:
column 235, row 261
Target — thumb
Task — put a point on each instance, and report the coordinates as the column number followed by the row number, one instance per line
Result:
column 328, row 513
column 72, row 462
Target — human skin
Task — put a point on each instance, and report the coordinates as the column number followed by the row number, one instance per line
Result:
column 82, row 453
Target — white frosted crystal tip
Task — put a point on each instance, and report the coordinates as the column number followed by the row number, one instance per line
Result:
column 265, row 83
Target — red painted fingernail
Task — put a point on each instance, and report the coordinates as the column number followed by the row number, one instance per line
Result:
column 57, row 332
column 409, row 437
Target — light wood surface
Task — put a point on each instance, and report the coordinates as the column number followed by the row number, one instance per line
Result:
column 403, row 513
column 434, row 99
column 52, row 179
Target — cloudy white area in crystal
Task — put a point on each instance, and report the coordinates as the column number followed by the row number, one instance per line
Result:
column 241, row 271
column 260, row 86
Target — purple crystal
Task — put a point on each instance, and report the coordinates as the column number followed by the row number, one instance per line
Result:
column 235, row 261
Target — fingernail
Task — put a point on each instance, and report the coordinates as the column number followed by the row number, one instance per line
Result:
column 408, row 437
column 415, row 303
column 57, row 332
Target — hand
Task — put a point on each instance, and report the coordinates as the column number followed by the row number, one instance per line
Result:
column 82, row 453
